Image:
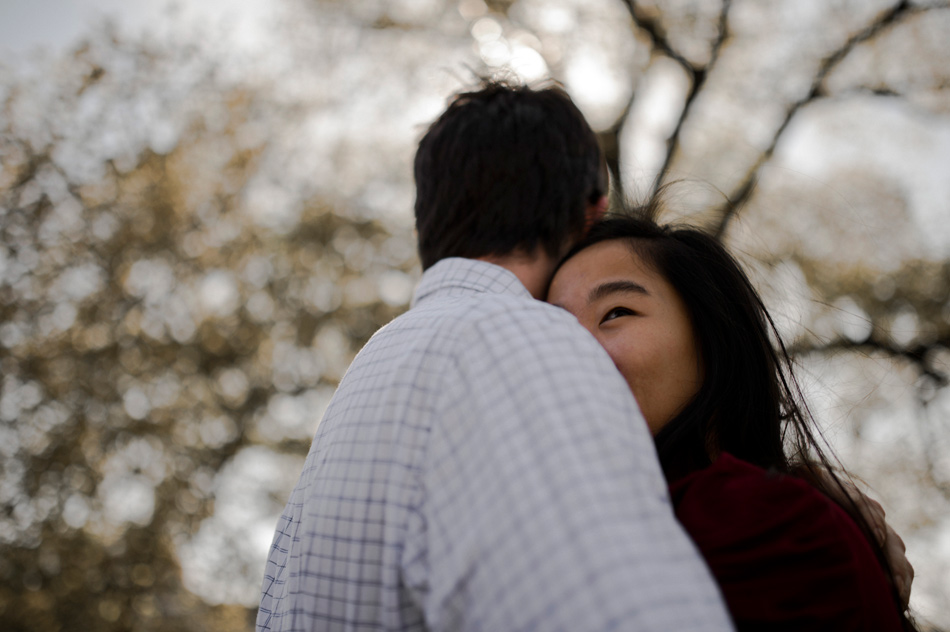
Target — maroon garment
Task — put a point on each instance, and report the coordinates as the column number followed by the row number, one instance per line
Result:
column 785, row 556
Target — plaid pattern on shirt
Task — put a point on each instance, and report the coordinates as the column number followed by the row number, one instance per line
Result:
column 483, row 466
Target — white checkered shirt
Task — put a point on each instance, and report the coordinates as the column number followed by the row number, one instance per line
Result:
column 483, row 466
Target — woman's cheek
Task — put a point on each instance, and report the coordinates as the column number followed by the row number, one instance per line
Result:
column 624, row 359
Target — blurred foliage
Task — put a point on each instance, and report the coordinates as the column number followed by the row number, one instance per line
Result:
column 196, row 241
column 147, row 324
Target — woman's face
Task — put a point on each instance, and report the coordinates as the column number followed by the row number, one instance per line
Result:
column 639, row 319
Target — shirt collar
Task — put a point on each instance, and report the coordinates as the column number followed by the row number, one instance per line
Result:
column 456, row 276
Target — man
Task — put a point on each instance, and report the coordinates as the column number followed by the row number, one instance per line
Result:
column 483, row 465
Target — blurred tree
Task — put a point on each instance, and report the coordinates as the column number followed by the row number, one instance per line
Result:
column 197, row 237
column 149, row 324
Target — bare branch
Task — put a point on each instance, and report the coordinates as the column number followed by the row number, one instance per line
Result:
column 699, row 76
column 657, row 34
column 658, row 38
column 743, row 193
column 610, row 145
column 916, row 355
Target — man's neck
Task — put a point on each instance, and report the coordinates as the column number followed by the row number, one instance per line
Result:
column 534, row 270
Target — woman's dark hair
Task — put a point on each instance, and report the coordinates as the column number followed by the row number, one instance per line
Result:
column 505, row 167
column 750, row 403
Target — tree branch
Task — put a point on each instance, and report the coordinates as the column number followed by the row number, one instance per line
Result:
column 610, row 145
column 698, row 77
column 654, row 30
column 657, row 34
column 744, row 192
column 916, row 355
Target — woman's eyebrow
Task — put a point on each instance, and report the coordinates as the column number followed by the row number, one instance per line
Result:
column 613, row 287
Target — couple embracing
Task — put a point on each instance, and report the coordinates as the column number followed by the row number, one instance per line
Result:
column 632, row 454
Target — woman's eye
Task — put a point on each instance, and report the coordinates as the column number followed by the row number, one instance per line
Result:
column 617, row 312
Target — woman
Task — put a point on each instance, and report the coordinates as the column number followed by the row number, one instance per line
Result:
column 691, row 336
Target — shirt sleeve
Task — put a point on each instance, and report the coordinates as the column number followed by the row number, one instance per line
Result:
column 544, row 506
column 785, row 556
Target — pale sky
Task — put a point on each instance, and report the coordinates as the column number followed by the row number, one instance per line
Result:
column 55, row 25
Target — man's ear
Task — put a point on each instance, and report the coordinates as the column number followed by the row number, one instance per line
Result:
column 595, row 212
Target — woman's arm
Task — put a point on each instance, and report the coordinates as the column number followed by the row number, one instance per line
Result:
column 785, row 555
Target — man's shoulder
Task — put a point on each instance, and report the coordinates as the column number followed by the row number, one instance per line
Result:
column 460, row 313
column 501, row 308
